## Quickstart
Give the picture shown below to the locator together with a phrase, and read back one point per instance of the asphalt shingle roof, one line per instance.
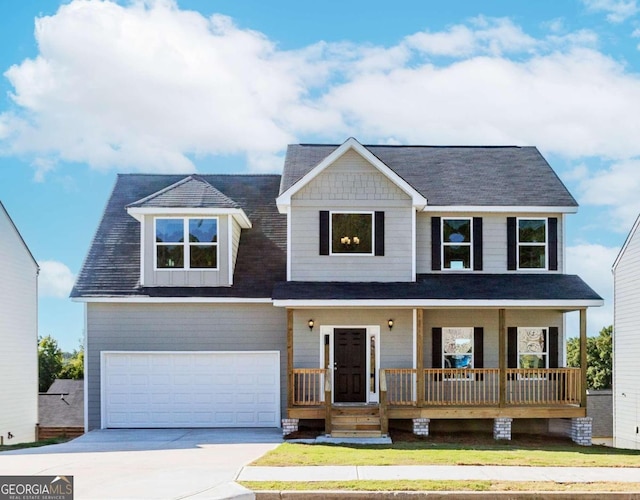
(443, 286)
(62, 405)
(455, 175)
(112, 266)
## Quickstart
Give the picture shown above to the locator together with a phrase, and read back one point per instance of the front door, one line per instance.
(350, 345)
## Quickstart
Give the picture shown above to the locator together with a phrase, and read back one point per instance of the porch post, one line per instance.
(502, 357)
(289, 360)
(419, 357)
(583, 358)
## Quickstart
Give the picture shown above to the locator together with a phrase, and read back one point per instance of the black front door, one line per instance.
(350, 365)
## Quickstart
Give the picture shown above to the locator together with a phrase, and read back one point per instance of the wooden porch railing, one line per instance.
(400, 386)
(462, 387)
(538, 386)
(308, 386)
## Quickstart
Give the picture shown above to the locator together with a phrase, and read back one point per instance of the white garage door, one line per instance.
(190, 389)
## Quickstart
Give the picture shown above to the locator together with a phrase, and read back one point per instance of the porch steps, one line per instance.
(355, 422)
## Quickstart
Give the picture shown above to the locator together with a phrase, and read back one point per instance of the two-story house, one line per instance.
(366, 284)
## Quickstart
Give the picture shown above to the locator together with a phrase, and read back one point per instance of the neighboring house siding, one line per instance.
(494, 236)
(18, 334)
(176, 277)
(351, 184)
(626, 347)
(180, 327)
(488, 320)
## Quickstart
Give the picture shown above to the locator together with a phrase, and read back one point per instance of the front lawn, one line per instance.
(431, 451)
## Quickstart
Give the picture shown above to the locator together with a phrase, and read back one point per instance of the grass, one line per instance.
(429, 453)
(399, 485)
(34, 444)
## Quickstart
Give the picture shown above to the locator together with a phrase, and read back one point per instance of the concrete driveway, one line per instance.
(149, 463)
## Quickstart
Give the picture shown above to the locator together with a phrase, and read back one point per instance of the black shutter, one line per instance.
(436, 348)
(379, 238)
(552, 226)
(436, 243)
(511, 243)
(512, 347)
(324, 232)
(477, 243)
(554, 352)
(478, 347)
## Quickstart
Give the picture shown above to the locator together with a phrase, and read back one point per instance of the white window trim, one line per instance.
(372, 331)
(473, 354)
(528, 244)
(186, 244)
(373, 233)
(449, 244)
(545, 329)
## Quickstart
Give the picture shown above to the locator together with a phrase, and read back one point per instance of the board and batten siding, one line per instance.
(351, 184)
(626, 347)
(19, 335)
(494, 239)
(180, 277)
(180, 327)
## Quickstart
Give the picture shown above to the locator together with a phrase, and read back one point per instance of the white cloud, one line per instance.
(593, 264)
(617, 10)
(55, 279)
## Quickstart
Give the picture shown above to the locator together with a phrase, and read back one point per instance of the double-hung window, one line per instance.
(457, 236)
(186, 243)
(352, 233)
(457, 347)
(533, 351)
(532, 243)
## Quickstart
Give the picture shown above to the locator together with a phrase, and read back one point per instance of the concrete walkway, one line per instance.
(442, 472)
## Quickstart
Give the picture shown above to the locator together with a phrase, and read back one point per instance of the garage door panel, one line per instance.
(191, 389)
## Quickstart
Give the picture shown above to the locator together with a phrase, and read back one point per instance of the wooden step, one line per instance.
(356, 419)
(356, 434)
(355, 410)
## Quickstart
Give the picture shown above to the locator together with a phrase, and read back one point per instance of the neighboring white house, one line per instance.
(626, 343)
(18, 336)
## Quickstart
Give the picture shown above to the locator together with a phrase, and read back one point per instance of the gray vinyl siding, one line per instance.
(351, 184)
(488, 320)
(396, 345)
(494, 239)
(180, 327)
(19, 333)
(626, 346)
(176, 277)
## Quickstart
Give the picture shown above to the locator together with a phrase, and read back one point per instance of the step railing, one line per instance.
(308, 386)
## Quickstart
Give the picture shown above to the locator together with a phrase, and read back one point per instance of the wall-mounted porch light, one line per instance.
(311, 323)
(390, 323)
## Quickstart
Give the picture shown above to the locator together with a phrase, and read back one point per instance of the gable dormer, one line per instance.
(189, 235)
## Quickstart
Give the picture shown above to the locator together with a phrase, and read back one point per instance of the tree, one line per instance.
(599, 358)
(73, 366)
(49, 362)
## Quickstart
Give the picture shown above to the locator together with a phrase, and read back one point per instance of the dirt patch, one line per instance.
(477, 438)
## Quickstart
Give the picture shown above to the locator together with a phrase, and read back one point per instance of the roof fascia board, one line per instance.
(450, 303)
(500, 209)
(17, 231)
(284, 199)
(237, 213)
(170, 300)
(626, 243)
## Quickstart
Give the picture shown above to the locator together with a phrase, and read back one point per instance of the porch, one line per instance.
(421, 393)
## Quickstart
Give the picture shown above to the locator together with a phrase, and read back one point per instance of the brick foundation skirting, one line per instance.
(289, 425)
(502, 428)
(421, 426)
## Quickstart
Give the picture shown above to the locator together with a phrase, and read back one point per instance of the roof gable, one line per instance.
(626, 243)
(455, 176)
(351, 144)
(19, 236)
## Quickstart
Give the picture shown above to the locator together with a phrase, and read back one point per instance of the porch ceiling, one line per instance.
(560, 291)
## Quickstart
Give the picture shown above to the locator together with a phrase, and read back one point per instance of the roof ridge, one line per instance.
(469, 146)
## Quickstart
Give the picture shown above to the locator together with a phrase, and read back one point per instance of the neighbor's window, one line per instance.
(187, 243)
(456, 243)
(532, 243)
(532, 347)
(457, 347)
(352, 233)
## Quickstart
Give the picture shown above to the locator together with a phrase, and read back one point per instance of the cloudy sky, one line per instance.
(92, 88)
